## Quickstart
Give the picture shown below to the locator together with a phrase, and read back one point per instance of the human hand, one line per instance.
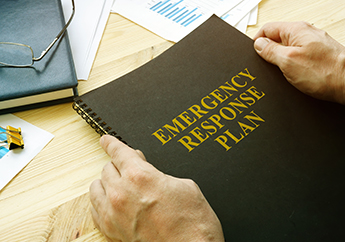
(309, 58)
(133, 201)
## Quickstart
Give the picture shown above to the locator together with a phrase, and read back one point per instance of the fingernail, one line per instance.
(260, 43)
(101, 141)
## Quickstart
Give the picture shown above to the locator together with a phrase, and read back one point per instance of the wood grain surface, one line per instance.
(48, 200)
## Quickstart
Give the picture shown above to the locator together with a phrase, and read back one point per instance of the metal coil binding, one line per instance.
(93, 120)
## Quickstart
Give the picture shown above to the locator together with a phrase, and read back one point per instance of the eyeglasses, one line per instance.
(21, 55)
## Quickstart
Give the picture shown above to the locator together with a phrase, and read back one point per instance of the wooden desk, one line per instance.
(48, 200)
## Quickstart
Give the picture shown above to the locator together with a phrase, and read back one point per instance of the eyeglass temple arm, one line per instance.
(57, 37)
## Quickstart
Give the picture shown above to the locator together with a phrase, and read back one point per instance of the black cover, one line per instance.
(284, 181)
(36, 23)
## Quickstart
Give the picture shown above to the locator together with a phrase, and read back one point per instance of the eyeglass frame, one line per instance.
(44, 52)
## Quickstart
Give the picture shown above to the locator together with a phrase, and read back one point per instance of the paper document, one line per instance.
(13, 161)
(253, 15)
(171, 19)
(85, 31)
(235, 15)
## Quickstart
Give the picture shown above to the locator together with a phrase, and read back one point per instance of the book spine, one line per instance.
(93, 119)
(68, 43)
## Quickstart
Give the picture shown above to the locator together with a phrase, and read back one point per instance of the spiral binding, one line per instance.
(93, 120)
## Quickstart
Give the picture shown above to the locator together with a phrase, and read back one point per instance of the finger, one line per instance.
(270, 30)
(273, 52)
(110, 176)
(97, 194)
(96, 221)
(287, 33)
(95, 217)
(123, 156)
(277, 31)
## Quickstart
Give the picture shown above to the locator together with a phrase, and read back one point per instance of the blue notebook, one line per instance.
(49, 81)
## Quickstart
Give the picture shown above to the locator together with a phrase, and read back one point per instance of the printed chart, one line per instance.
(172, 19)
(3, 150)
(181, 12)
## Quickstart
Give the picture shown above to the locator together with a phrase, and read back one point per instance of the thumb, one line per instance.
(270, 50)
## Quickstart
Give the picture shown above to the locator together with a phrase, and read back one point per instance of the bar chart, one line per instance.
(182, 12)
(3, 150)
(172, 19)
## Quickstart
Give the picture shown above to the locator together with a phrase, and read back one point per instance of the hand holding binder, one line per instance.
(161, 207)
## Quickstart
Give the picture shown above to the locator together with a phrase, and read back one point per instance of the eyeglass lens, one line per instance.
(15, 54)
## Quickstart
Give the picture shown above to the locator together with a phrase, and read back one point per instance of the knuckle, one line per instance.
(139, 176)
(106, 166)
(267, 25)
(117, 200)
(323, 33)
(192, 184)
(141, 154)
(308, 26)
(305, 23)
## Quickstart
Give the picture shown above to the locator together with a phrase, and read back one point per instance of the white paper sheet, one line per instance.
(235, 15)
(171, 19)
(85, 31)
(35, 139)
(243, 23)
(253, 19)
(249, 19)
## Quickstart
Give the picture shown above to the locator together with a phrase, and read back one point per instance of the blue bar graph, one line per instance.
(177, 11)
(158, 5)
(3, 150)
